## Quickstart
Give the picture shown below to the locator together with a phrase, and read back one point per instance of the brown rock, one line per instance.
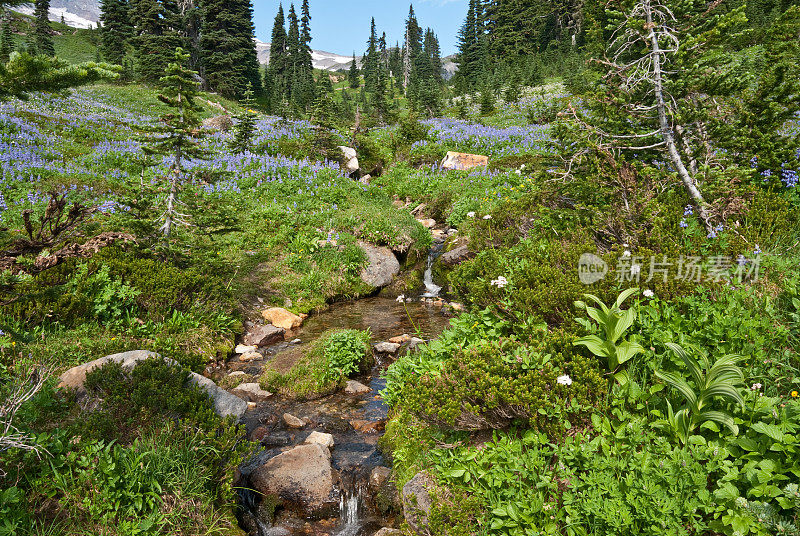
(462, 161)
(368, 427)
(280, 317)
(400, 339)
(252, 392)
(292, 421)
(302, 479)
(258, 435)
(263, 336)
(220, 122)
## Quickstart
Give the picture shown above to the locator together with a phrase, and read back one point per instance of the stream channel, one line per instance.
(355, 421)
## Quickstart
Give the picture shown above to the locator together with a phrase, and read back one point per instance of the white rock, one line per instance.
(387, 348)
(245, 349)
(237, 373)
(252, 392)
(319, 438)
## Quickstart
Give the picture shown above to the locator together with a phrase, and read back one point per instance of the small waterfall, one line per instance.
(350, 515)
(432, 290)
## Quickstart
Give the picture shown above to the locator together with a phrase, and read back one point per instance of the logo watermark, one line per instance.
(636, 269)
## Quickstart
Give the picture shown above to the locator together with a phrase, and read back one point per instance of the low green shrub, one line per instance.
(542, 383)
(151, 392)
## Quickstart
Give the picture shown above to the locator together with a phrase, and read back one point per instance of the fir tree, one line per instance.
(305, 68)
(42, 31)
(229, 59)
(276, 79)
(245, 124)
(354, 75)
(116, 31)
(25, 73)
(158, 30)
(371, 60)
(6, 36)
(179, 132)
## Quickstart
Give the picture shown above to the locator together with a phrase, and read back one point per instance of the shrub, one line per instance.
(490, 385)
(151, 392)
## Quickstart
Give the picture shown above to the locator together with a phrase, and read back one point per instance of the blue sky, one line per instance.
(342, 26)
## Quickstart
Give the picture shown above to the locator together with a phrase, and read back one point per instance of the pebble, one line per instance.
(292, 421)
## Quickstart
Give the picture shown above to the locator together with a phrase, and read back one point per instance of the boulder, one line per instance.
(319, 438)
(302, 479)
(221, 122)
(356, 388)
(417, 502)
(292, 421)
(456, 256)
(382, 268)
(252, 392)
(250, 356)
(462, 161)
(280, 317)
(350, 158)
(75, 377)
(244, 349)
(225, 404)
(427, 223)
(263, 335)
(390, 348)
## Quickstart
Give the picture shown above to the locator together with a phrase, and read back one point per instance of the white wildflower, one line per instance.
(756, 387)
(470, 214)
(648, 293)
(636, 269)
(564, 380)
(401, 298)
(500, 282)
(626, 253)
(487, 217)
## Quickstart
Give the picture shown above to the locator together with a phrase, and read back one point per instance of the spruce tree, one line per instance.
(227, 48)
(354, 75)
(245, 124)
(178, 135)
(42, 31)
(116, 31)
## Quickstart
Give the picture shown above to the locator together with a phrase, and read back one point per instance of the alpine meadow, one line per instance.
(537, 277)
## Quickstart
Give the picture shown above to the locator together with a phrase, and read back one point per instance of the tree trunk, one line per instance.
(666, 129)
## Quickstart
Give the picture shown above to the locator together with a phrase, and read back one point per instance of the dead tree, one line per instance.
(638, 66)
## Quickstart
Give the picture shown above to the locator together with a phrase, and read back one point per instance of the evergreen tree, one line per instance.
(25, 73)
(227, 50)
(276, 80)
(354, 75)
(177, 136)
(245, 124)
(158, 30)
(433, 54)
(6, 36)
(396, 64)
(412, 46)
(42, 31)
(371, 60)
(305, 77)
(116, 31)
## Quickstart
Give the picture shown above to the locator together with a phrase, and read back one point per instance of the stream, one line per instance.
(355, 421)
